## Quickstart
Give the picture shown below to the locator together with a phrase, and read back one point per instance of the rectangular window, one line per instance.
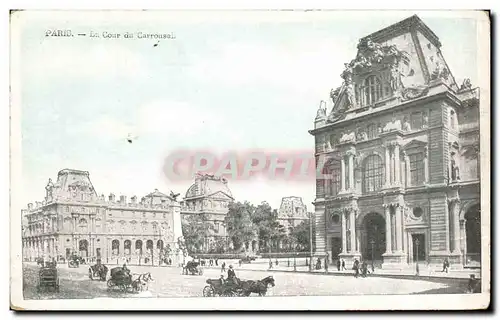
(417, 174)
(416, 120)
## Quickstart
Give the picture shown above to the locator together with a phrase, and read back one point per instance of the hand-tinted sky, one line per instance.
(229, 81)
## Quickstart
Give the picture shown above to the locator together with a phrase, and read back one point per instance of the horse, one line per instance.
(141, 283)
(260, 286)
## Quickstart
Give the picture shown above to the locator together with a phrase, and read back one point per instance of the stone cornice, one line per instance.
(448, 96)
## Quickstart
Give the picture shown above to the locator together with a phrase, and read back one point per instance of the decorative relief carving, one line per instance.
(414, 92)
(348, 137)
(393, 125)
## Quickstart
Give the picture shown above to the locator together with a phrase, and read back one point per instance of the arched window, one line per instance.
(333, 170)
(371, 91)
(373, 173)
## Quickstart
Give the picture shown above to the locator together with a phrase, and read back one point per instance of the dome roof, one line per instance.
(206, 185)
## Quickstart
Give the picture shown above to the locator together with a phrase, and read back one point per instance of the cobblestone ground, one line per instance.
(169, 282)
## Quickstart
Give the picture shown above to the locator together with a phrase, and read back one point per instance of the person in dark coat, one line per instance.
(231, 275)
(223, 269)
(355, 267)
(343, 265)
(338, 264)
(446, 265)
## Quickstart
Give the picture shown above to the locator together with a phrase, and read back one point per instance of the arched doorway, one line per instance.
(83, 248)
(373, 244)
(473, 235)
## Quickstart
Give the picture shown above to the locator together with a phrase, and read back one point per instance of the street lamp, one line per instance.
(416, 244)
(373, 245)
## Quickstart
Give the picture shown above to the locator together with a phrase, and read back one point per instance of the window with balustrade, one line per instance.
(373, 173)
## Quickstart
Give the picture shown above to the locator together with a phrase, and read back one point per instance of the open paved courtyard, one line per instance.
(169, 282)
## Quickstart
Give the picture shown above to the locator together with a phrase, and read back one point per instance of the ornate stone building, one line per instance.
(209, 196)
(74, 219)
(400, 156)
(292, 212)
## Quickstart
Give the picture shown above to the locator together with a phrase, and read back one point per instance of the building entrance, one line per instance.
(374, 236)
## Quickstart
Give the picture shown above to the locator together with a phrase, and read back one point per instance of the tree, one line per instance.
(196, 228)
(301, 233)
(239, 225)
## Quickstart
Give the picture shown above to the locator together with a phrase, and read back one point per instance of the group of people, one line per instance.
(231, 275)
(360, 268)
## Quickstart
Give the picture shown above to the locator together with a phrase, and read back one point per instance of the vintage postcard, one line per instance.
(250, 160)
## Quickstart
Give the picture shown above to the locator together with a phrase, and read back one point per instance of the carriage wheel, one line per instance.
(124, 287)
(208, 291)
(110, 283)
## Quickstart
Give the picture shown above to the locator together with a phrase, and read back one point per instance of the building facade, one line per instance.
(73, 219)
(209, 196)
(292, 212)
(399, 153)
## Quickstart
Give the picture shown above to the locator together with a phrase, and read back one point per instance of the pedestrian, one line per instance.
(270, 264)
(276, 261)
(338, 264)
(223, 269)
(217, 262)
(355, 267)
(446, 265)
(239, 262)
(326, 264)
(343, 265)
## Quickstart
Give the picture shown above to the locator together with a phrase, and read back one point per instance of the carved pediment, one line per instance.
(415, 144)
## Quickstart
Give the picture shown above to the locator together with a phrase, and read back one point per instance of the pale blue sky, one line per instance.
(228, 81)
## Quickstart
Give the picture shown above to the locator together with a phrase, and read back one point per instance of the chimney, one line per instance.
(111, 197)
(133, 200)
(123, 199)
(30, 206)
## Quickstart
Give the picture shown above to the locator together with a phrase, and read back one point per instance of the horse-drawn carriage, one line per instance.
(237, 288)
(122, 278)
(193, 268)
(98, 271)
(48, 278)
(247, 259)
(75, 261)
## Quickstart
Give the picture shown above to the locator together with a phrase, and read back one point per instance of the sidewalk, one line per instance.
(406, 273)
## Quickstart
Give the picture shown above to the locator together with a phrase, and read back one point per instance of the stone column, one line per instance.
(388, 238)
(342, 174)
(344, 232)
(352, 224)
(399, 229)
(387, 167)
(456, 226)
(351, 171)
(407, 169)
(426, 165)
(397, 166)
(447, 226)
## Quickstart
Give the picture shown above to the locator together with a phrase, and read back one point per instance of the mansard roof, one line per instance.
(404, 26)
